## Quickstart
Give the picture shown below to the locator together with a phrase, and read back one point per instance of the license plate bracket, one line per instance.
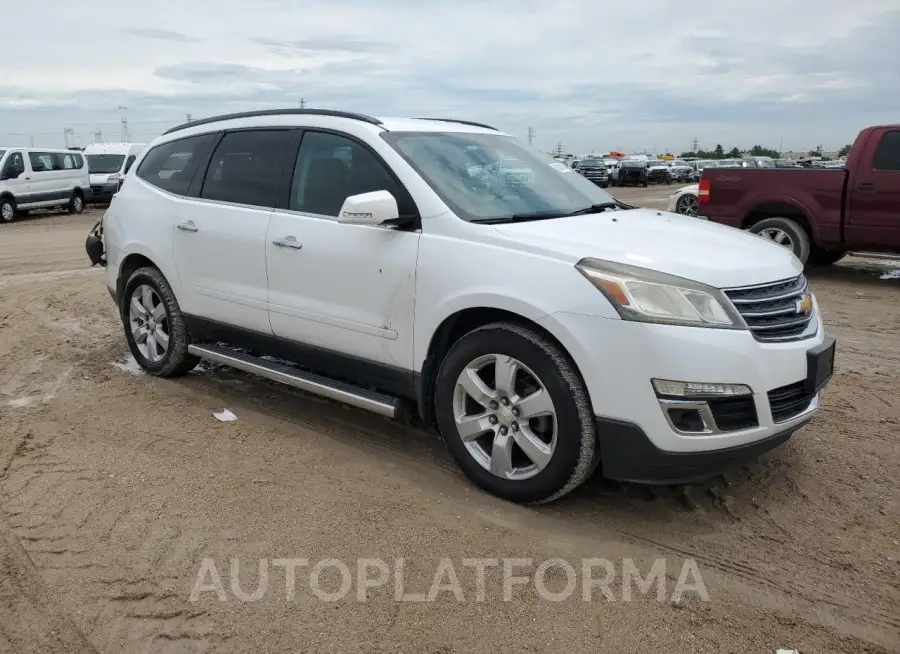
(820, 365)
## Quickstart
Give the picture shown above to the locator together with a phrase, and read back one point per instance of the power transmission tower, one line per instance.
(69, 135)
(187, 118)
(98, 136)
(124, 109)
(302, 103)
(530, 135)
(560, 149)
(695, 145)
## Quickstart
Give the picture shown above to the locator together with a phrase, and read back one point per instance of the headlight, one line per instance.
(648, 296)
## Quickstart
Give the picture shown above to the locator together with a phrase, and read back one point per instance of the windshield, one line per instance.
(595, 163)
(104, 164)
(657, 163)
(444, 161)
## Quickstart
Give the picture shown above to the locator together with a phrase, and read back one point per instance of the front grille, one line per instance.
(789, 401)
(773, 311)
(732, 413)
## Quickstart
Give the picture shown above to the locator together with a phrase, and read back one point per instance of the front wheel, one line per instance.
(7, 210)
(154, 325)
(515, 414)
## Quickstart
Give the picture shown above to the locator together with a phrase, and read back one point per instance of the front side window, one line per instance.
(330, 168)
(171, 166)
(15, 163)
(478, 192)
(887, 154)
(246, 168)
(105, 164)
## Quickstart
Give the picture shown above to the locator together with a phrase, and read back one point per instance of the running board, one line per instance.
(384, 405)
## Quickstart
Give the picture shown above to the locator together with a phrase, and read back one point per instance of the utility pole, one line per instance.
(69, 135)
(124, 110)
(98, 136)
(530, 135)
(187, 118)
(302, 103)
(32, 140)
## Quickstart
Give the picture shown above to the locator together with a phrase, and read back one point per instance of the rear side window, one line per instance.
(246, 168)
(42, 162)
(171, 166)
(887, 154)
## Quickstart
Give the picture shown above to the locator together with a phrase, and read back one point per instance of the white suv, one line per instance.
(543, 327)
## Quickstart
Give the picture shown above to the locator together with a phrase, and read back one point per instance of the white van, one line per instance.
(108, 164)
(39, 178)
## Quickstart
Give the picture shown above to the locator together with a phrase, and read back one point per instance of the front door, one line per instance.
(344, 288)
(18, 176)
(874, 194)
(220, 236)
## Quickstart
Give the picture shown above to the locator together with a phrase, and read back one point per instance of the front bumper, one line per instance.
(618, 359)
(103, 192)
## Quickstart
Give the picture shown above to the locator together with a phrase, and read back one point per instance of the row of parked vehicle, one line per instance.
(41, 178)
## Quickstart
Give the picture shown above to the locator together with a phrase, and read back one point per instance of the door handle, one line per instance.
(866, 186)
(189, 226)
(288, 242)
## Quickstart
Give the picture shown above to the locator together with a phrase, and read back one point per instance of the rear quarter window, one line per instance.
(171, 166)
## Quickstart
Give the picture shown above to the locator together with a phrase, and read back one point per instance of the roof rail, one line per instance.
(276, 112)
(461, 122)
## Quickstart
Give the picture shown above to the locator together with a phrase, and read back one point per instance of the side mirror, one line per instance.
(375, 208)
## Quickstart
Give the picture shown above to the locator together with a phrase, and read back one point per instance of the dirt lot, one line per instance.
(115, 486)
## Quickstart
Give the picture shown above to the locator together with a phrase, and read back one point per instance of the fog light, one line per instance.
(698, 389)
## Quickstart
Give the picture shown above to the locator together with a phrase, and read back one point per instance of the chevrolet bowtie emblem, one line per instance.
(804, 305)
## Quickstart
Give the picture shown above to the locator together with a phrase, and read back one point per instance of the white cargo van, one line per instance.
(108, 164)
(40, 178)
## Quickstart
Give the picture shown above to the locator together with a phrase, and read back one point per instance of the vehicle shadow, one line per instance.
(868, 272)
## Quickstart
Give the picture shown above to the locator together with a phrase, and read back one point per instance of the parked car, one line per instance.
(681, 171)
(546, 331)
(108, 163)
(700, 165)
(632, 172)
(595, 171)
(658, 172)
(37, 178)
(685, 201)
(818, 214)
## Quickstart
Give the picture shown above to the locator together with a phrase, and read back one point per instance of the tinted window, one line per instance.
(171, 166)
(42, 162)
(129, 163)
(330, 168)
(246, 168)
(15, 162)
(105, 164)
(887, 155)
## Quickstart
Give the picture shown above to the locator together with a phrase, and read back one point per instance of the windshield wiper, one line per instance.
(598, 208)
(522, 217)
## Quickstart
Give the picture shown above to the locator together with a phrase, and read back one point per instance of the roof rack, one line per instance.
(276, 112)
(461, 122)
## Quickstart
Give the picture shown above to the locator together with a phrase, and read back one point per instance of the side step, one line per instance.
(384, 405)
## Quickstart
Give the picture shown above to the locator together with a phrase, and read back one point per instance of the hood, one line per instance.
(103, 178)
(709, 253)
(655, 168)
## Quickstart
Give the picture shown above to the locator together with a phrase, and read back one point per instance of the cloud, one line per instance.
(163, 35)
(591, 75)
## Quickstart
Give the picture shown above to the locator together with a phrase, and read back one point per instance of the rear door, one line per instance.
(220, 236)
(873, 218)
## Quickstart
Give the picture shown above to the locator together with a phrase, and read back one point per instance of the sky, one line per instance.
(648, 75)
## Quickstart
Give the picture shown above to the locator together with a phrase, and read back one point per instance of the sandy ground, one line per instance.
(116, 486)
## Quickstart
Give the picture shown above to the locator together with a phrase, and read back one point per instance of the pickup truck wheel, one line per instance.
(154, 325)
(820, 257)
(786, 233)
(514, 413)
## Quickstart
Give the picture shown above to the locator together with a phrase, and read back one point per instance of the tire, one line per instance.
(76, 203)
(820, 257)
(7, 210)
(644, 184)
(687, 205)
(574, 456)
(174, 360)
(799, 242)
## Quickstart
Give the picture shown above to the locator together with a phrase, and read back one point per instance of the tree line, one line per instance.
(756, 151)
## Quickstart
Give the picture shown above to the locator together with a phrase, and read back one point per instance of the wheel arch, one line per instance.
(780, 208)
(130, 263)
(454, 327)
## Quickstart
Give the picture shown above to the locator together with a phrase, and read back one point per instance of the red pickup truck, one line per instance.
(819, 213)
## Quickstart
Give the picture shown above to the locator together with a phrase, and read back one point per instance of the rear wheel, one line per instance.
(687, 205)
(7, 210)
(76, 203)
(787, 233)
(515, 415)
(154, 325)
